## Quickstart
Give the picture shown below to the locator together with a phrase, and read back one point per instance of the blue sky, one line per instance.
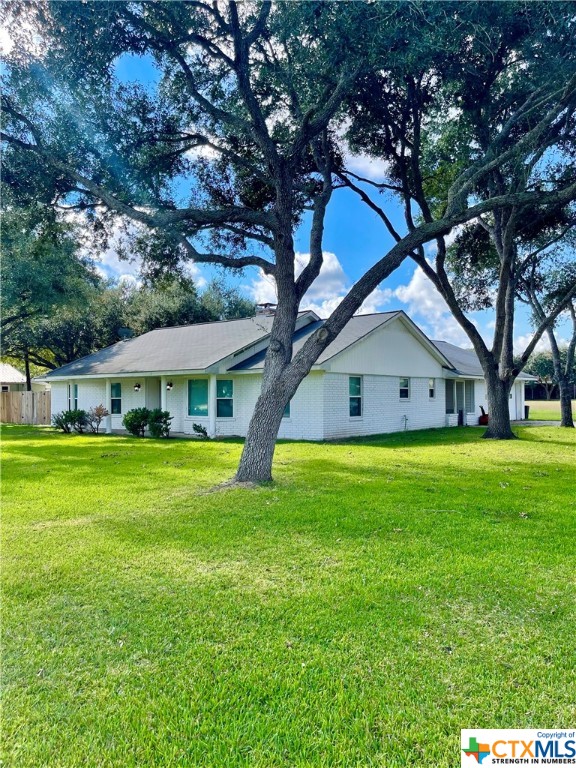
(354, 239)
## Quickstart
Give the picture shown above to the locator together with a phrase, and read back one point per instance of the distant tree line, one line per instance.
(547, 387)
(57, 307)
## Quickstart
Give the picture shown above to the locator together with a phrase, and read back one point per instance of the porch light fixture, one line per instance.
(169, 386)
(136, 387)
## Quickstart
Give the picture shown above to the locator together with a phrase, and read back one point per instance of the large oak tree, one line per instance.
(234, 139)
(496, 112)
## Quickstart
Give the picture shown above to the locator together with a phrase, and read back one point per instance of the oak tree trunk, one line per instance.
(566, 417)
(561, 372)
(498, 391)
(278, 383)
(27, 370)
(258, 453)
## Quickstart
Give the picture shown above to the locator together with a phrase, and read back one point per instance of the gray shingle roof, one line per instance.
(197, 347)
(465, 361)
(183, 348)
(358, 327)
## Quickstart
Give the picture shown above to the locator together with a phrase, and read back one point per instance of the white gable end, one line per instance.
(391, 350)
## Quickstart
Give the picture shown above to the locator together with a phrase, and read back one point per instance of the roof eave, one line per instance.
(130, 374)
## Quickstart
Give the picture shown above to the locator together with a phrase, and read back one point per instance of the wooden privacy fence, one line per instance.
(25, 407)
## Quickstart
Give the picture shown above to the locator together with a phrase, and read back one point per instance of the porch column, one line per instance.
(108, 404)
(520, 399)
(212, 406)
(163, 393)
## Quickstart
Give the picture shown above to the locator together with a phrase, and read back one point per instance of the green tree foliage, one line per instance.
(543, 267)
(224, 302)
(72, 331)
(176, 303)
(541, 365)
(218, 158)
(490, 115)
(42, 265)
(542, 288)
(43, 271)
(222, 153)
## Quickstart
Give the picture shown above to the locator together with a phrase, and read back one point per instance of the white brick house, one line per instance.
(381, 374)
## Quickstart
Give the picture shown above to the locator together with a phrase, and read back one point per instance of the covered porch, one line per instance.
(461, 402)
(196, 396)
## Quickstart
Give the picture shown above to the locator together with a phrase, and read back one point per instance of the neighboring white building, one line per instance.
(11, 380)
(381, 374)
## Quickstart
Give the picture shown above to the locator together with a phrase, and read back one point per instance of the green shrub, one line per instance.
(67, 421)
(136, 421)
(159, 423)
(200, 430)
(79, 419)
(62, 421)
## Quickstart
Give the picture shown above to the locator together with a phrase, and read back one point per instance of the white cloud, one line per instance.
(422, 297)
(364, 165)
(372, 168)
(129, 279)
(375, 302)
(418, 296)
(6, 42)
(543, 345)
(331, 281)
(262, 290)
(203, 151)
(115, 267)
(108, 262)
(327, 291)
(427, 307)
(195, 273)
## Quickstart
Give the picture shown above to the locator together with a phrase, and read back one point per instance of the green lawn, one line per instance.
(546, 410)
(379, 596)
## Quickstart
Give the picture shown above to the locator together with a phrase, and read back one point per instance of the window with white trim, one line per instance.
(198, 397)
(355, 395)
(116, 398)
(72, 397)
(431, 388)
(404, 389)
(450, 396)
(469, 396)
(225, 398)
(286, 414)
